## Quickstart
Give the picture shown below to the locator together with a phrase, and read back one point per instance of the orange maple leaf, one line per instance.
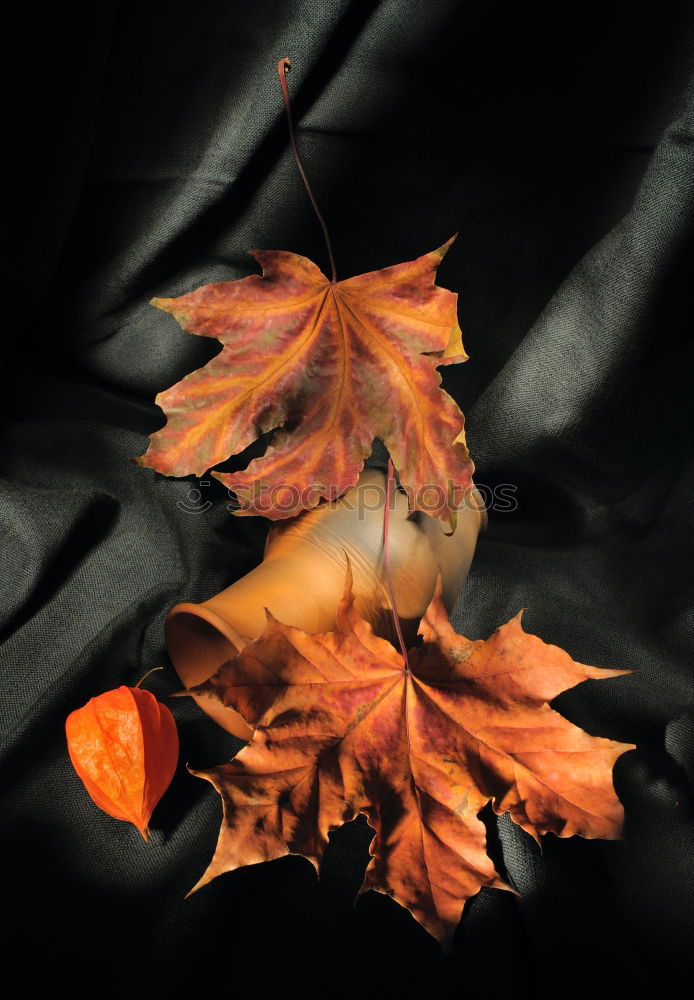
(343, 725)
(328, 366)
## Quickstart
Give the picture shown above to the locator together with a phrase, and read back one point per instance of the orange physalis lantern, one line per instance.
(124, 746)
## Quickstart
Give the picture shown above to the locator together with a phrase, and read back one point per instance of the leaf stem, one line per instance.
(144, 678)
(389, 577)
(283, 67)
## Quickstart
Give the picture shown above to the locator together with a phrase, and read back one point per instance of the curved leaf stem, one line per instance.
(389, 578)
(283, 67)
(144, 678)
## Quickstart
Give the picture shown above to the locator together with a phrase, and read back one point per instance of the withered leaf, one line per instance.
(343, 726)
(328, 367)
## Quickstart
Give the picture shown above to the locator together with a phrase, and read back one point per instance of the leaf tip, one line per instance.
(349, 580)
(164, 304)
(499, 883)
(258, 256)
(201, 773)
(198, 885)
(270, 618)
(347, 599)
(443, 249)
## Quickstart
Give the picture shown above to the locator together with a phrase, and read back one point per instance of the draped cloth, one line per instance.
(148, 154)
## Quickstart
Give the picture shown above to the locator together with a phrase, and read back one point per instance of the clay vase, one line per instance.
(302, 577)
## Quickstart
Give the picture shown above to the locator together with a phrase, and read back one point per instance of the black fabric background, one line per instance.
(148, 153)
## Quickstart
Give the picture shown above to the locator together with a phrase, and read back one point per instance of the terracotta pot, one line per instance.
(302, 575)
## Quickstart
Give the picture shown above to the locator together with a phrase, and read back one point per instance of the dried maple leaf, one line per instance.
(333, 365)
(344, 726)
(124, 746)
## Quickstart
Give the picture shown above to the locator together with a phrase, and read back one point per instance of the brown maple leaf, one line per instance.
(328, 366)
(343, 725)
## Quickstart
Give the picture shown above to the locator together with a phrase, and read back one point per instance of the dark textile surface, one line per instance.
(148, 155)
